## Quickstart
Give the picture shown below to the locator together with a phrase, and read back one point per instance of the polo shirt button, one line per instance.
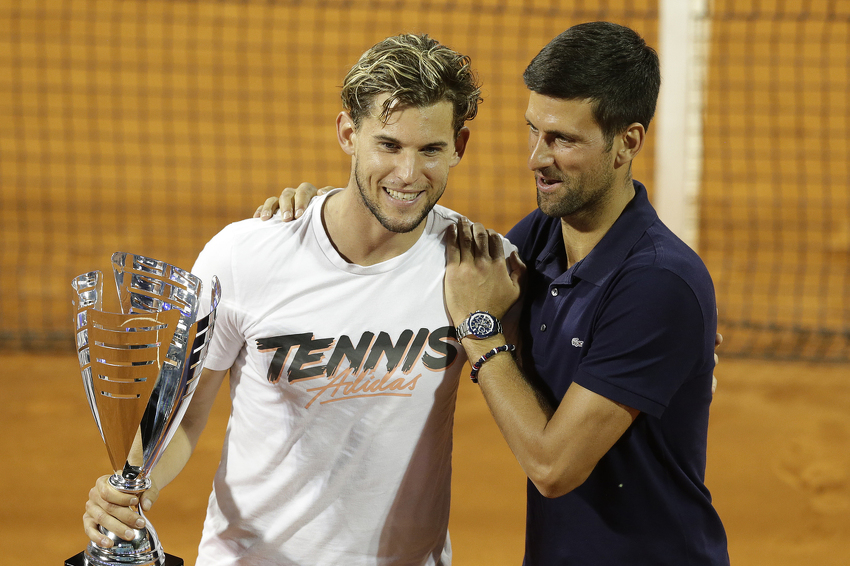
(542, 328)
(555, 292)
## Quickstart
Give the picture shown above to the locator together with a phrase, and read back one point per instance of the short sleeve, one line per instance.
(648, 338)
(215, 260)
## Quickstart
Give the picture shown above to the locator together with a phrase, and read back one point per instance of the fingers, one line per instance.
(268, 209)
(93, 532)
(303, 195)
(452, 247)
(113, 510)
(293, 202)
(467, 241)
(150, 496)
(287, 204)
(482, 241)
(515, 267)
(496, 250)
(718, 340)
(474, 241)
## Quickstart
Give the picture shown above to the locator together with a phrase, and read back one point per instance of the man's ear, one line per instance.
(346, 133)
(460, 145)
(629, 143)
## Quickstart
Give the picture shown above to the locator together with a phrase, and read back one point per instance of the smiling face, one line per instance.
(401, 168)
(573, 163)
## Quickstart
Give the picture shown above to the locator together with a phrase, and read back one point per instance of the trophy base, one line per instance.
(80, 560)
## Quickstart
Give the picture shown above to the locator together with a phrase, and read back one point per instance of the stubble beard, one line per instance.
(577, 195)
(401, 226)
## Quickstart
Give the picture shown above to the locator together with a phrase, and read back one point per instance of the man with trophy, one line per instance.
(343, 360)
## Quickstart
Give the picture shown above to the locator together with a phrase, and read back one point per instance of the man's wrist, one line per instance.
(476, 348)
(476, 366)
(479, 325)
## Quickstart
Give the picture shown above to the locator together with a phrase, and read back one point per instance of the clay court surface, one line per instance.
(778, 468)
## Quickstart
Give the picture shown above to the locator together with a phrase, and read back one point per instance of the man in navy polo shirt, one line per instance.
(608, 414)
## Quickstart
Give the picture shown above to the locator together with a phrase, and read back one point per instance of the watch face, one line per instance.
(481, 324)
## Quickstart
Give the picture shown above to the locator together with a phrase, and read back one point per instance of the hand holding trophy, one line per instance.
(140, 368)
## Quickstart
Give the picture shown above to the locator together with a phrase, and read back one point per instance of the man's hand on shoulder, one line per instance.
(478, 276)
(292, 202)
(718, 340)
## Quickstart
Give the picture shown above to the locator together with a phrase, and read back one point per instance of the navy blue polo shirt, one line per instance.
(634, 321)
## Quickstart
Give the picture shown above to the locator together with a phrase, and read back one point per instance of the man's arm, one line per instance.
(114, 510)
(559, 448)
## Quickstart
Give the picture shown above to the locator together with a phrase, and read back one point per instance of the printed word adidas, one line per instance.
(301, 357)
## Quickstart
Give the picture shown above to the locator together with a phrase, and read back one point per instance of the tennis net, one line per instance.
(146, 126)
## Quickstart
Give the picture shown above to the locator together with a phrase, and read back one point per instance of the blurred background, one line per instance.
(146, 126)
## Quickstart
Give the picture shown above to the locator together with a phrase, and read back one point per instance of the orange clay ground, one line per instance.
(778, 468)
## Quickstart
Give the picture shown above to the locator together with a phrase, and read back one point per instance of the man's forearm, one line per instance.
(557, 448)
(186, 437)
(173, 460)
(519, 411)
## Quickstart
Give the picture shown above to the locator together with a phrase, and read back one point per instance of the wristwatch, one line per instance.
(479, 325)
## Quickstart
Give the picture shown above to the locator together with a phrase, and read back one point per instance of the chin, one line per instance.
(401, 225)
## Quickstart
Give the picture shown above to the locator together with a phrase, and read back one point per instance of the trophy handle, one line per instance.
(89, 288)
(154, 538)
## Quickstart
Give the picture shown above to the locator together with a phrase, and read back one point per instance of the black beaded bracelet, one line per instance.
(473, 375)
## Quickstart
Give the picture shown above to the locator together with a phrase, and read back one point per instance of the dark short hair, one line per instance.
(606, 63)
(415, 70)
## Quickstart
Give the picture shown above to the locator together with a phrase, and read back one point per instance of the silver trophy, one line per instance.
(140, 368)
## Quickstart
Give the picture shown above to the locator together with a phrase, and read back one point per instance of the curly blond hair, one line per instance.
(415, 70)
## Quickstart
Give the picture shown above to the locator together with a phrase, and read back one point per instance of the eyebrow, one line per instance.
(385, 138)
(558, 133)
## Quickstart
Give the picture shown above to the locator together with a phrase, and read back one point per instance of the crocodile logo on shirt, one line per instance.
(303, 357)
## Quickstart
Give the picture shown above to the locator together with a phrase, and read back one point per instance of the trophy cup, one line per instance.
(140, 368)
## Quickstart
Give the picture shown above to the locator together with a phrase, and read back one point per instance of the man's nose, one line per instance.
(541, 154)
(408, 167)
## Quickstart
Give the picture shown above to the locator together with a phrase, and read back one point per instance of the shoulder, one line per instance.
(247, 241)
(533, 233)
(255, 233)
(442, 218)
(243, 229)
(662, 269)
(670, 253)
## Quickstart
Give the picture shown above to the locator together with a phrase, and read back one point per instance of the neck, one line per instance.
(357, 235)
(583, 230)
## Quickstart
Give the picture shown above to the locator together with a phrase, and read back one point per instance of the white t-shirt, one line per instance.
(343, 387)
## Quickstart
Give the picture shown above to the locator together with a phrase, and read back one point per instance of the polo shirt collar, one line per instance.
(608, 254)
